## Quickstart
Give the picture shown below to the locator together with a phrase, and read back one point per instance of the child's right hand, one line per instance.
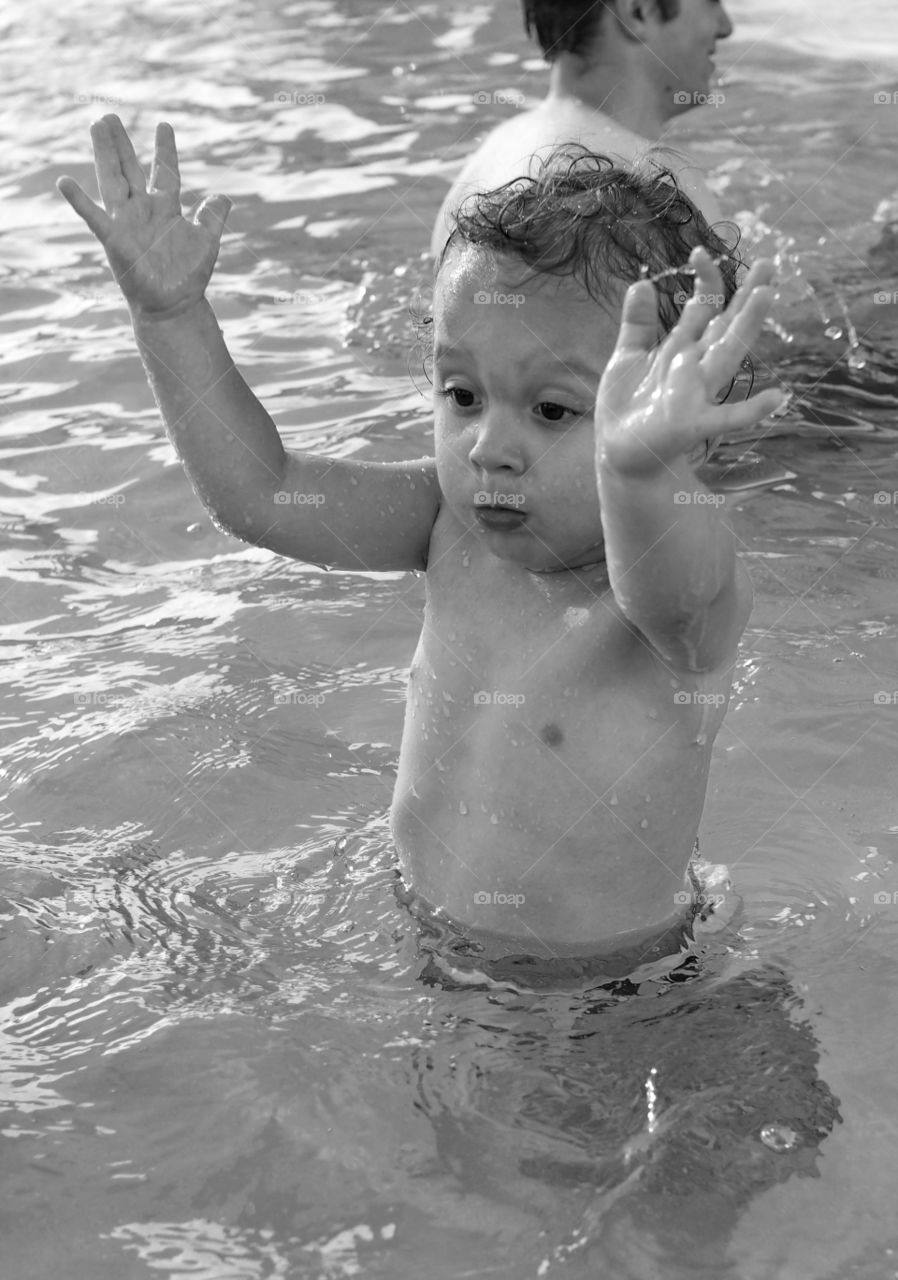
(162, 261)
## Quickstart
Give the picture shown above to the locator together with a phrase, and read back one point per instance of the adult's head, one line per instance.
(617, 54)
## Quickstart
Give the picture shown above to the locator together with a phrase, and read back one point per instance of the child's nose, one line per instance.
(498, 443)
(724, 25)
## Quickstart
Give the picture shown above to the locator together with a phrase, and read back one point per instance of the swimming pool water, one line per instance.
(219, 1058)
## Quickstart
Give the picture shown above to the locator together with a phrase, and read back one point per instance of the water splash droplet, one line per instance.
(463, 808)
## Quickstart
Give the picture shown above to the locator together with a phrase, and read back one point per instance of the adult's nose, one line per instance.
(724, 24)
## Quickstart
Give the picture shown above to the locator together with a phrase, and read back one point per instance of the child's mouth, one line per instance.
(499, 517)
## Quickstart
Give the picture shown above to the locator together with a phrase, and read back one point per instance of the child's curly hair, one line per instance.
(585, 216)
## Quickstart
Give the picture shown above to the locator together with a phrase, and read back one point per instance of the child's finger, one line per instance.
(99, 222)
(639, 323)
(701, 309)
(761, 273)
(166, 172)
(723, 357)
(130, 165)
(748, 413)
(213, 214)
(694, 321)
(114, 187)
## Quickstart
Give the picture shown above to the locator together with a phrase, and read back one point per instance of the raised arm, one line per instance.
(326, 511)
(671, 558)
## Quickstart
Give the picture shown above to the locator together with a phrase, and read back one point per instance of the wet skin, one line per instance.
(576, 783)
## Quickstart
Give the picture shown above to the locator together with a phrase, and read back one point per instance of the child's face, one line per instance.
(516, 372)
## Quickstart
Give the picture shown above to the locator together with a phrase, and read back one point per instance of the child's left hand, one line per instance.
(657, 404)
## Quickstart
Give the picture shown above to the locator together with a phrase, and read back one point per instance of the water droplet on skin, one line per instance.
(447, 697)
(463, 808)
(494, 820)
(648, 799)
(353, 480)
(613, 799)
(779, 1137)
(644, 823)
(466, 560)
(701, 739)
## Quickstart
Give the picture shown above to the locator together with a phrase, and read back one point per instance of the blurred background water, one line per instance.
(218, 1058)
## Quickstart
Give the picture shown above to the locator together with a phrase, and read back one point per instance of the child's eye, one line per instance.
(461, 397)
(553, 412)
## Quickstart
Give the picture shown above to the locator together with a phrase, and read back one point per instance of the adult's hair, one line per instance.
(572, 26)
(584, 216)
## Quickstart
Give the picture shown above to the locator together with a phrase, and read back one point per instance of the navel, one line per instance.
(551, 735)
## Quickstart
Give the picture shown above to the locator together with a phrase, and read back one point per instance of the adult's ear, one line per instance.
(632, 17)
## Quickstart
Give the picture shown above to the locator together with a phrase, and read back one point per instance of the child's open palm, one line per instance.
(658, 403)
(162, 261)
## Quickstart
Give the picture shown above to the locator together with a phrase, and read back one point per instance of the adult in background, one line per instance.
(620, 70)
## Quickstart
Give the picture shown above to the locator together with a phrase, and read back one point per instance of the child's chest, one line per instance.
(529, 659)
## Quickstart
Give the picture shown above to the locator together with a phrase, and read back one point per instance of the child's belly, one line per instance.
(560, 817)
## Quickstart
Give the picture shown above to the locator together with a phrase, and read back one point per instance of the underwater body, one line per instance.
(225, 1051)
